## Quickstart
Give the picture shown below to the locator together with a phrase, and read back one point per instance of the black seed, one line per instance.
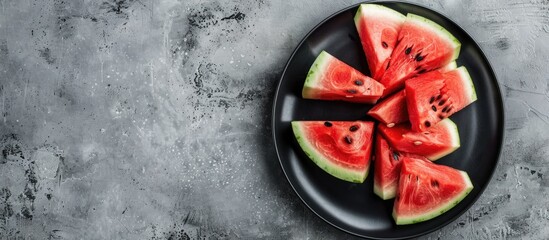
(434, 183)
(348, 140)
(434, 108)
(419, 57)
(327, 124)
(351, 91)
(359, 82)
(418, 67)
(441, 102)
(408, 50)
(384, 44)
(427, 124)
(450, 109)
(417, 178)
(388, 63)
(445, 109)
(438, 97)
(440, 116)
(396, 155)
(353, 128)
(431, 100)
(422, 71)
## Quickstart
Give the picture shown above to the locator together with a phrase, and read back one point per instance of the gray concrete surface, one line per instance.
(144, 119)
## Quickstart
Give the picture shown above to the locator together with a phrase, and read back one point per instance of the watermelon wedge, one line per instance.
(340, 148)
(378, 28)
(434, 96)
(426, 190)
(331, 79)
(423, 46)
(393, 110)
(434, 143)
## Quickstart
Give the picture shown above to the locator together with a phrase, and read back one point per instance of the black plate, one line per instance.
(354, 208)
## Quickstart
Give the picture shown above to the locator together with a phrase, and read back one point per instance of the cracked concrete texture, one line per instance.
(150, 119)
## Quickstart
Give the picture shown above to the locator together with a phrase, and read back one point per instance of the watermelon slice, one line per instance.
(331, 79)
(423, 46)
(426, 190)
(378, 28)
(434, 96)
(341, 148)
(393, 110)
(434, 143)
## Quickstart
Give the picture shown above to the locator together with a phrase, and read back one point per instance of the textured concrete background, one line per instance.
(150, 119)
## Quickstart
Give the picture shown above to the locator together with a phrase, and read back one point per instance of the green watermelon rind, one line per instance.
(315, 74)
(379, 9)
(468, 81)
(405, 220)
(449, 67)
(384, 193)
(324, 163)
(439, 30)
(452, 129)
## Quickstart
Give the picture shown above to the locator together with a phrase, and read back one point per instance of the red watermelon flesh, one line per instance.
(433, 143)
(331, 79)
(423, 46)
(387, 168)
(393, 110)
(341, 148)
(378, 28)
(434, 96)
(426, 190)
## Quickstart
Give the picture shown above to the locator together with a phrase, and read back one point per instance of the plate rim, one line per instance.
(500, 102)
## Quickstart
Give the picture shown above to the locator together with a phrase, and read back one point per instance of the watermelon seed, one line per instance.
(417, 143)
(351, 91)
(353, 128)
(422, 71)
(434, 108)
(390, 125)
(408, 50)
(445, 109)
(396, 156)
(387, 65)
(440, 116)
(359, 82)
(427, 124)
(348, 140)
(434, 183)
(438, 97)
(327, 124)
(441, 102)
(417, 178)
(384, 44)
(419, 57)
(431, 100)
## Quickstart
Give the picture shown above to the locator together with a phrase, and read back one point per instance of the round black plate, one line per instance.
(354, 208)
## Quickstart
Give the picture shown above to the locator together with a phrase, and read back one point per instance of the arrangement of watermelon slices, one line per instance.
(393, 110)
(411, 58)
